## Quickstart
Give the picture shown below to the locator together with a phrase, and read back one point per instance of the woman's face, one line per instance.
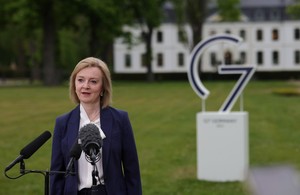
(88, 85)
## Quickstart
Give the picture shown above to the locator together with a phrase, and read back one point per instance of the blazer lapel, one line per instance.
(106, 126)
(73, 126)
(73, 129)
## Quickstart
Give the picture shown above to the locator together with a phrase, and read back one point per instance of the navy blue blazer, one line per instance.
(118, 149)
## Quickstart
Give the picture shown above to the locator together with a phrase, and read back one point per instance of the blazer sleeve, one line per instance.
(57, 181)
(130, 159)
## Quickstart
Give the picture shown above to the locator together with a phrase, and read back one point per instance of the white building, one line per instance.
(170, 54)
(271, 42)
(271, 46)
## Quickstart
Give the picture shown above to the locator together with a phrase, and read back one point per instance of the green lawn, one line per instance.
(163, 117)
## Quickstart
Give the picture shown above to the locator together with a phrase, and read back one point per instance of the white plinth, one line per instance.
(222, 146)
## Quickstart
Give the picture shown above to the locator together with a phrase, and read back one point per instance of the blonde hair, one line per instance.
(106, 99)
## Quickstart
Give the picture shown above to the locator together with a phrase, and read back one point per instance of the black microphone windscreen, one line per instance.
(32, 147)
(76, 150)
(89, 138)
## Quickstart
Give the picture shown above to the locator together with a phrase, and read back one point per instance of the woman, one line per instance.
(118, 168)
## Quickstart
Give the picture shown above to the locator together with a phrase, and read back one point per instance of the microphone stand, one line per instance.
(45, 173)
(94, 186)
(94, 174)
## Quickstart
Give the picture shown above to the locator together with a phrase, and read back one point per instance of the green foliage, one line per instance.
(294, 10)
(147, 19)
(163, 116)
(195, 11)
(72, 48)
(229, 10)
(68, 32)
(102, 22)
(151, 16)
(19, 37)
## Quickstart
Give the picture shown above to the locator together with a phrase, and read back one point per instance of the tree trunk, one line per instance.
(49, 35)
(107, 53)
(93, 46)
(196, 12)
(148, 37)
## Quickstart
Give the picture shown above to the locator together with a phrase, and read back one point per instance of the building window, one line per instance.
(160, 59)
(228, 57)
(127, 60)
(259, 35)
(275, 14)
(242, 57)
(213, 59)
(297, 57)
(259, 58)
(227, 32)
(180, 59)
(143, 60)
(259, 15)
(159, 37)
(212, 32)
(243, 34)
(275, 57)
(275, 34)
(297, 34)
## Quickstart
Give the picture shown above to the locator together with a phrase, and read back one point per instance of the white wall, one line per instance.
(286, 45)
(169, 47)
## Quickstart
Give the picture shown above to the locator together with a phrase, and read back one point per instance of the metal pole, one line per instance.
(47, 183)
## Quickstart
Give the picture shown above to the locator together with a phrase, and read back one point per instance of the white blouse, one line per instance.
(85, 168)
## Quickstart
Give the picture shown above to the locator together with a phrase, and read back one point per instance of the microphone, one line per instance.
(75, 155)
(91, 142)
(31, 148)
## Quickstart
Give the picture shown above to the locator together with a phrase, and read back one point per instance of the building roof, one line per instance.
(169, 12)
(265, 3)
(255, 10)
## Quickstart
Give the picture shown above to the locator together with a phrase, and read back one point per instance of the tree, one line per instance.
(19, 34)
(104, 21)
(29, 17)
(149, 15)
(229, 10)
(41, 23)
(46, 11)
(294, 10)
(196, 13)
